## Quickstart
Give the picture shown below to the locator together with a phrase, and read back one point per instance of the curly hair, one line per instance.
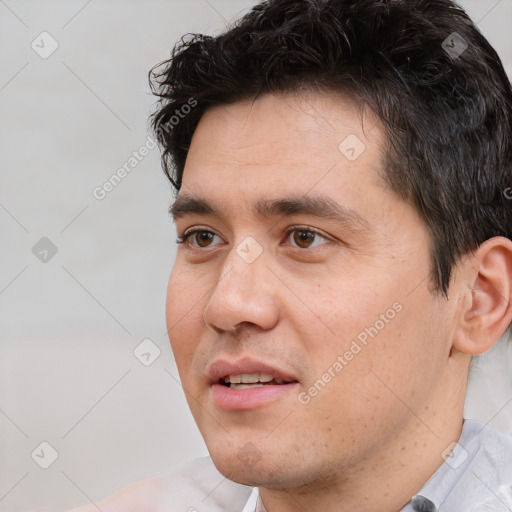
(422, 66)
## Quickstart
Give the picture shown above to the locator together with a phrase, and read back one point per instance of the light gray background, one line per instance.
(68, 327)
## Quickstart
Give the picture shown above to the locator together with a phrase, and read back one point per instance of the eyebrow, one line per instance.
(190, 205)
(316, 206)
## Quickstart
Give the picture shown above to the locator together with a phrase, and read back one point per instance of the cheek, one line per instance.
(186, 290)
(340, 312)
(370, 333)
(183, 317)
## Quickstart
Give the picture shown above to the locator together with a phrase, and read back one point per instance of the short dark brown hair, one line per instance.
(422, 66)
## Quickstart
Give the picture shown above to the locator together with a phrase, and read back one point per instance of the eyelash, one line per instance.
(182, 239)
(185, 237)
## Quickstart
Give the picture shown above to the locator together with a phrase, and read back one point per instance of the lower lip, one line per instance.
(229, 399)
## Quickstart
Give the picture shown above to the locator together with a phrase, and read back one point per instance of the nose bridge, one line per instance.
(237, 276)
(241, 293)
(244, 266)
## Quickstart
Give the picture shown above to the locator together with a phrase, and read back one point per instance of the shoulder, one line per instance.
(493, 450)
(478, 477)
(197, 486)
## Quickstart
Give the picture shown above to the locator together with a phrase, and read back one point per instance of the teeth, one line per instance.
(246, 386)
(279, 381)
(249, 378)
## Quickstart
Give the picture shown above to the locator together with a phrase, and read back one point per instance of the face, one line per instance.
(300, 309)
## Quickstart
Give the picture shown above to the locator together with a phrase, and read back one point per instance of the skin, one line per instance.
(379, 427)
(376, 430)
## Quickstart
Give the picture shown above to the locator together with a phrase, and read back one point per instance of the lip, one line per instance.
(228, 399)
(222, 368)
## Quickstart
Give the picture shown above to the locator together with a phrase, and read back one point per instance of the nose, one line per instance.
(244, 294)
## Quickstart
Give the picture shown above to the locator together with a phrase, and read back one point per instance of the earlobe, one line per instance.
(488, 313)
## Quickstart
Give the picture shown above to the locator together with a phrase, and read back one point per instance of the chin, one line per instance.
(272, 471)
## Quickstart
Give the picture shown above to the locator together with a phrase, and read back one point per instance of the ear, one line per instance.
(488, 311)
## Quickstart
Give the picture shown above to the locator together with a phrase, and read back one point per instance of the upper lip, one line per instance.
(221, 368)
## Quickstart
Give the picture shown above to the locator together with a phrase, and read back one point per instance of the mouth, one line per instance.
(248, 384)
(251, 380)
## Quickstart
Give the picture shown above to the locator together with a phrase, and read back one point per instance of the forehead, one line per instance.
(288, 144)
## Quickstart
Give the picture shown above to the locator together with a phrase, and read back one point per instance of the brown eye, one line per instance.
(199, 239)
(303, 238)
(203, 238)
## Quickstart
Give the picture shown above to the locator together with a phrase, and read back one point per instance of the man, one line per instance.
(344, 252)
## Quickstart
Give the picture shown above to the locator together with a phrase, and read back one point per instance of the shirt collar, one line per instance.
(253, 502)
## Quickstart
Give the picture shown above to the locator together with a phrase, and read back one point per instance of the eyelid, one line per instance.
(315, 231)
(188, 233)
(184, 238)
(193, 229)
